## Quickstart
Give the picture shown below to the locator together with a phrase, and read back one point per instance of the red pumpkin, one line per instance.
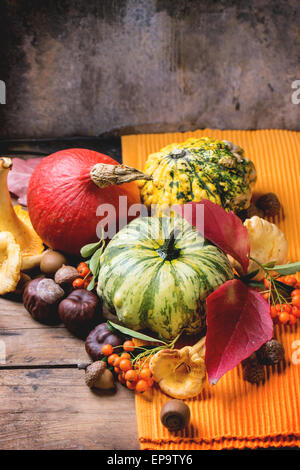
(63, 197)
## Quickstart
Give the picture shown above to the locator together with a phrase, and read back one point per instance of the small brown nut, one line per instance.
(175, 415)
(24, 279)
(65, 275)
(41, 298)
(97, 338)
(98, 376)
(254, 210)
(269, 203)
(253, 371)
(272, 352)
(80, 312)
(51, 261)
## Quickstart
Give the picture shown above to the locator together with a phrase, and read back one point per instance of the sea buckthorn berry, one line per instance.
(107, 349)
(81, 265)
(274, 312)
(290, 280)
(117, 361)
(266, 295)
(284, 317)
(125, 355)
(296, 311)
(78, 283)
(84, 271)
(131, 376)
(125, 365)
(87, 281)
(278, 307)
(117, 370)
(150, 382)
(121, 379)
(292, 319)
(287, 308)
(266, 283)
(145, 373)
(142, 386)
(111, 359)
(130, 385)
(296, 292)
(296, 300)
(128, 346)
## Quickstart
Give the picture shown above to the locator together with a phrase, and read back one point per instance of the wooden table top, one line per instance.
(44, 402)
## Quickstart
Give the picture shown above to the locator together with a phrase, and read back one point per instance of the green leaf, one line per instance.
(256, 284)
(89, 250)
(269, 265)
(286, 269)
(132, 333)
(95, 261)
(91, 284)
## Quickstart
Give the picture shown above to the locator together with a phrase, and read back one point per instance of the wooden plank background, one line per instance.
(44, 402)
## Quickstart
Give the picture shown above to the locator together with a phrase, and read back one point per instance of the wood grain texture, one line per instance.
(54, 409)
(47, 407)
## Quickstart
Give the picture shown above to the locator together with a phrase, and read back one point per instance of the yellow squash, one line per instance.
(199, 169)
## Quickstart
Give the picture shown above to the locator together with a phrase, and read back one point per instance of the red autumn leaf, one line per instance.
(224, 229)
(238, 324)
(18, 177)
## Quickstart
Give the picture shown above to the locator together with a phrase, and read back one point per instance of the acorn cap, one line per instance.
(270, 353)
(94, 372)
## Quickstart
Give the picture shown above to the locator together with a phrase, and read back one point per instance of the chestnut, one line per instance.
(97, 338)
(80, 312)
(41, 297)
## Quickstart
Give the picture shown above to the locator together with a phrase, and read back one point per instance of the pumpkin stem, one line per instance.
(104, 174)
(168, 251)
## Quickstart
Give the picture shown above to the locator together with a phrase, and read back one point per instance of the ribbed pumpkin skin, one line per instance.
(210, 169)
(146, 291)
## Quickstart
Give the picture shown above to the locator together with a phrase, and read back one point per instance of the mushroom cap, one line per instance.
(180, 373)
(10, 262)
(94, 372)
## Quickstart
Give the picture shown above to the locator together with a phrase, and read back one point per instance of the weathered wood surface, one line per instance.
(44, 402)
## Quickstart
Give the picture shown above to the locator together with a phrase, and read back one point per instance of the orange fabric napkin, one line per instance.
(233, 413)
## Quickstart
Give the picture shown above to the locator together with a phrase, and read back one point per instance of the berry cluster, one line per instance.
(286, 313)
(84, 276)
(135, 375)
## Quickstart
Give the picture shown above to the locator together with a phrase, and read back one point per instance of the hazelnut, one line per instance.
(269, 204)
(272, 352)
(80, 312)
(98, 376)
(41, 298)
(97, 338)
(51, 261)
(175, 415)
(65, 275)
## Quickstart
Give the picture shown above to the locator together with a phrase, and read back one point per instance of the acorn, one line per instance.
(175, 415)
(269, 204)
(253, 371)
(254, 210)
(271, 353)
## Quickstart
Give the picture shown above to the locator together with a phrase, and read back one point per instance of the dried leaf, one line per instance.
(238, 324)
(19, 176)
(222, 228)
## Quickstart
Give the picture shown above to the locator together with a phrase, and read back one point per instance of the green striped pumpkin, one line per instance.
(153, 280)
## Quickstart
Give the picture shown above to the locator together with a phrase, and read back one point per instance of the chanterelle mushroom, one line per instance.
(267, 243)
(180, 373)
(10, 263)
(98, 376)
